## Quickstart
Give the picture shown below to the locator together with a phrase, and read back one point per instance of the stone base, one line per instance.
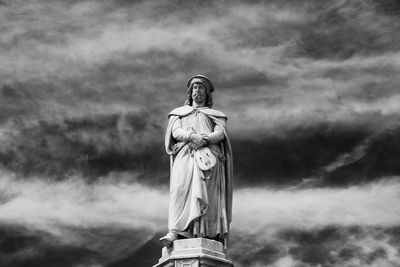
(194, 252)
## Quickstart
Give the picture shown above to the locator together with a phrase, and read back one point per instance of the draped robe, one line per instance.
(200, 201)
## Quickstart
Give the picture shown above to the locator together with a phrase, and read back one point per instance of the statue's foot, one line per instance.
(168, 239)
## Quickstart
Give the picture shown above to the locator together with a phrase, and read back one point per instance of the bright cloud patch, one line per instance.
(276, 221)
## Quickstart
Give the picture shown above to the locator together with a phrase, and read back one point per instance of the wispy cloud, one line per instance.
(317, 207)
(78, 204)
(73, 203)
(261, 216)
(100, 51)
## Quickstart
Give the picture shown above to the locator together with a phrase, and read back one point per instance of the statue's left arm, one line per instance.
(217, 136)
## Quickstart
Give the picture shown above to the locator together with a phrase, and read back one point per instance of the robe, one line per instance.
(200, 201)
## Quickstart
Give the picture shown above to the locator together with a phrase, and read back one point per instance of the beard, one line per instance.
(198, 97)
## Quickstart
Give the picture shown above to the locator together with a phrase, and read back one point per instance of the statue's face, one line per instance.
(199, 93)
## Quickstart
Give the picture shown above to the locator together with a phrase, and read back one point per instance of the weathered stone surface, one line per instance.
(194, 252)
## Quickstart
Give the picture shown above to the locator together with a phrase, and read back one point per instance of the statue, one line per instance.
(201, 168)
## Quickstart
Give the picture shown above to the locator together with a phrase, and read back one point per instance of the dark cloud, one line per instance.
(20, 246)
(349, 28)
(335, 246)
(144, 256)
(92, 145)
(330, 246)
(378, 158)
(97, 145)
(249, 78)
(288, 159)
(388, 7)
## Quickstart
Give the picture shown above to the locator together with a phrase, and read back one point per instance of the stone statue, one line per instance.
(201, 168)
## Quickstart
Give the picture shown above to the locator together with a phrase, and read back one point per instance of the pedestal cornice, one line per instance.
(194, 252)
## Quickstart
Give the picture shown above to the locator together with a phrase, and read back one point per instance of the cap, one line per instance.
(201, 79)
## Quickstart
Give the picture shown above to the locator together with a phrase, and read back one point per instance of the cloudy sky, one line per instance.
(311, 89)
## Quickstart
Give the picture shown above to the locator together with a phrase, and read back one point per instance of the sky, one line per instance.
(311, 91)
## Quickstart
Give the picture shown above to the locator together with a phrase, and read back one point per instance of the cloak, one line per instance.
(173, 147)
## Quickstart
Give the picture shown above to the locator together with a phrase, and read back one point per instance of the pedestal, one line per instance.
(194, 252)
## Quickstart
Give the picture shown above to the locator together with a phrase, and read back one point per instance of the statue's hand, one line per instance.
(193, 146)
(198, 139)
(205, 138)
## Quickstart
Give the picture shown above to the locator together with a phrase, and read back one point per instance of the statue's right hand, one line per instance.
(198, 139)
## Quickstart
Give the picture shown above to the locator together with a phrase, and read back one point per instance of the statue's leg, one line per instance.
(168, 239)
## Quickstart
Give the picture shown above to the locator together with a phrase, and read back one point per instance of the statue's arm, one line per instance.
(217, 135)
(178, 132)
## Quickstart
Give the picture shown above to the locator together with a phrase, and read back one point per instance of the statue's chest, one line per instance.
(199, 122)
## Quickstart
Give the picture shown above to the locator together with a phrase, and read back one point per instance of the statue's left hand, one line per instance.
(194, 146)
(199, 141)
(205, 138)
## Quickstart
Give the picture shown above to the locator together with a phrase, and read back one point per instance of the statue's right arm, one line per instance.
(178, 132)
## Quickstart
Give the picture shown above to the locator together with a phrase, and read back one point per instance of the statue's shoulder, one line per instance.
(186, 110)
(214, 112)
(181, 111)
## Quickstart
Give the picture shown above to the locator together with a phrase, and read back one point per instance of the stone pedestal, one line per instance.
(194, 252)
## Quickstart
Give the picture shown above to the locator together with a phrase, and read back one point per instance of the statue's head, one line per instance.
(198, 82)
